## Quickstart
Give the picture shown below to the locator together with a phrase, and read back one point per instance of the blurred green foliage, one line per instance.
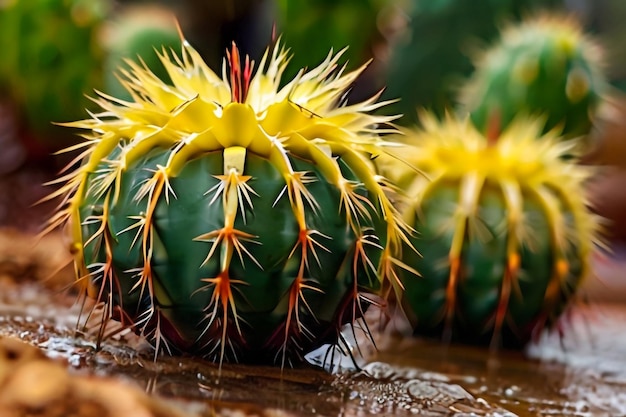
(49, 57)
(136, 34)
(55, 53)
(431, 60)
(310, 28)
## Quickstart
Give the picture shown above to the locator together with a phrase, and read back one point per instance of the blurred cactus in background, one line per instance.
(431, 58)
(233, 217)
(53, 54)
(544, 65)
(503, 229)
(50, 57)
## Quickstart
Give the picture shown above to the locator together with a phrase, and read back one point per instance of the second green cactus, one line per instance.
(504, 232)
(543, 66)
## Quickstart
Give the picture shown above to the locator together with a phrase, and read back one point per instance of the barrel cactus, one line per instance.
(503, 230)
(233, 217)
(545, 65)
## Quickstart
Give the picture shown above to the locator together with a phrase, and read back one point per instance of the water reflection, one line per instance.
(383, 389)
(578, 370)
(581, 373)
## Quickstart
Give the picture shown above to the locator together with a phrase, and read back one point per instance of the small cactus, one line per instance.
(233, 217)
(503, 230)
(545, 66)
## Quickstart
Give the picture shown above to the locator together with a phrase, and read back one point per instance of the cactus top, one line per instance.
(518, 161)
(520, 153)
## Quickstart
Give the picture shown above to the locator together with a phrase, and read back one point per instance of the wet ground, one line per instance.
(581, 372)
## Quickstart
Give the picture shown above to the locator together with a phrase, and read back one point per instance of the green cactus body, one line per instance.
(231, 217)
(543, 66)
(50, 58)
(502, 228)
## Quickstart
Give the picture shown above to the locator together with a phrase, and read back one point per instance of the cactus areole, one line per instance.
(503, 230)
(232, 217)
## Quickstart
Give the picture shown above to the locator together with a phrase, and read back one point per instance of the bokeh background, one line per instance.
(55, 53)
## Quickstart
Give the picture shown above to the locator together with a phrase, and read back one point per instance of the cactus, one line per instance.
(49, 59)
(235, 218)
(545, 65)
(503, 230)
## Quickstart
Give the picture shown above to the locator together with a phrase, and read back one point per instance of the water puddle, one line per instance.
(580, 374)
